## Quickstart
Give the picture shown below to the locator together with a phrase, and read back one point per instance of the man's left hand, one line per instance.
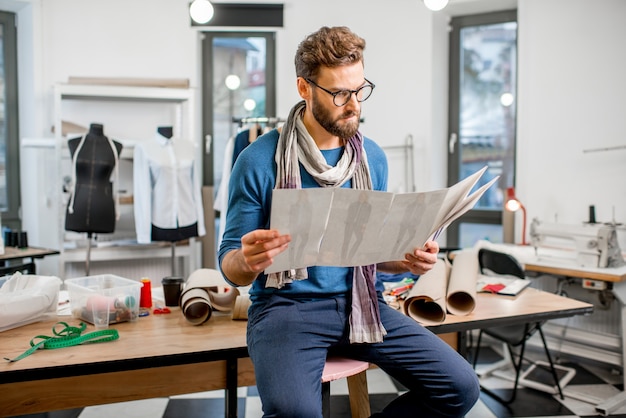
(422, 259)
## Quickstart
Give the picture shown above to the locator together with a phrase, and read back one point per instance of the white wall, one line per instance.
(571, 87)
(571, 98)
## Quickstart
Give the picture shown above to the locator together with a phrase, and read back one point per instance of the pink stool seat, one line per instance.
(354, 371)
(338, 367)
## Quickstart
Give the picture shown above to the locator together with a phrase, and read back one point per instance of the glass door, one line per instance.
(9, 142)
(482, 117)
(238, 83)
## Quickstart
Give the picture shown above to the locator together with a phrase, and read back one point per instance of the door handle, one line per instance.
(452, 143)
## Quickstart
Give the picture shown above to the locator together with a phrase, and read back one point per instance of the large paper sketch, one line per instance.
(355, 220)
(348, 227)
(298, 213)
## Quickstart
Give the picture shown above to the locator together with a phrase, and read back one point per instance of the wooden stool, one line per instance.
(337, 368)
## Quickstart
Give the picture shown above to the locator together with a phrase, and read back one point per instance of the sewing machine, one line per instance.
(594, 244)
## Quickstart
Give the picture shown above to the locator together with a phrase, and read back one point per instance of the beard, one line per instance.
(325, 119)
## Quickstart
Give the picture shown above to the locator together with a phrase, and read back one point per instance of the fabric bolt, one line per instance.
(167, 187)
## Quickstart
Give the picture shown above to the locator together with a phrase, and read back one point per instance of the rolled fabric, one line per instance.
(242, 303)
(196, 305)
(461, 296)
(426, 302)
(205, 291)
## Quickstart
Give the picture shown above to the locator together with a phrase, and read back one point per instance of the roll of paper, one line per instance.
(426, 302)
(204, 291)
(461, 296)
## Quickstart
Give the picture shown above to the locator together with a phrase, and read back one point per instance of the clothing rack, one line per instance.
(407, 150)
(258, 119)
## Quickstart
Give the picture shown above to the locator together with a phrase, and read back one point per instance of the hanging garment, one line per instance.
(221, 198)
(167, 190)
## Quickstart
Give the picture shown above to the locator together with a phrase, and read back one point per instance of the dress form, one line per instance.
(92, 207)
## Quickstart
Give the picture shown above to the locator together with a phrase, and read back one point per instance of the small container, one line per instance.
(145, 297)
(172, 288)
(121, 293)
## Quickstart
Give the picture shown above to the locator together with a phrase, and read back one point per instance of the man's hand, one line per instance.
(257, 252)
(422, 259)
(259, 248)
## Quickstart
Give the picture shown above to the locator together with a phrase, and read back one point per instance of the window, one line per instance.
(238, 82)
(482, 117)
(9, 137)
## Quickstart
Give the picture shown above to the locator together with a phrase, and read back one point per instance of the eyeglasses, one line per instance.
(341, 97)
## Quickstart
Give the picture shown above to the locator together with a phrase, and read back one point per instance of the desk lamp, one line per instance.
(513, 204)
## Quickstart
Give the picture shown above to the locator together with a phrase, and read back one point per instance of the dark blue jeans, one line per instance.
(289, 340)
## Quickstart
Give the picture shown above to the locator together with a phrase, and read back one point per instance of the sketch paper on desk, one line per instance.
(348, 227)
(502, 285)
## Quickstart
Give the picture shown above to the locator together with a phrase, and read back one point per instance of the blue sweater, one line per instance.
(250, 200)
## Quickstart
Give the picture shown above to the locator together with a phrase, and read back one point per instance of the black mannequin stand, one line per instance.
(174, 266)
(88, 256)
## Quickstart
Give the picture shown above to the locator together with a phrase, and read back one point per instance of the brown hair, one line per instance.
(329, 47)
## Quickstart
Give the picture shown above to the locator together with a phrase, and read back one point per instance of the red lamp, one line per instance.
(513, 204)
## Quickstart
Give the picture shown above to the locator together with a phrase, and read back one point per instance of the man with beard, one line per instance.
(299, 317)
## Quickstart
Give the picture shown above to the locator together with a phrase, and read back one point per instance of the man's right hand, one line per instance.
(257, 252)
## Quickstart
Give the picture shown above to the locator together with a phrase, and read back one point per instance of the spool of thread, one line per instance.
(145, 298)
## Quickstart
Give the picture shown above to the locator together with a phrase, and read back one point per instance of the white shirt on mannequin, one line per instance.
(167, 186)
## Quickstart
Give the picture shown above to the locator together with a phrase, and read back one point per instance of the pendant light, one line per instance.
(201, 11)
(435, 5)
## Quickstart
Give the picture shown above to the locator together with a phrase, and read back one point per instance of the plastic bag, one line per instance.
(26, 298)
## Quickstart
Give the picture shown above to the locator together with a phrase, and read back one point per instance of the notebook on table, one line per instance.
(502, 285)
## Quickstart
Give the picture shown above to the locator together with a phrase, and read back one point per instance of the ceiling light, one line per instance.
(201, 11)
(232, 82)
(435, 5)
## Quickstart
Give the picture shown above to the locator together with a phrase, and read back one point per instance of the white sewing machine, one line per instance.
(595, 245)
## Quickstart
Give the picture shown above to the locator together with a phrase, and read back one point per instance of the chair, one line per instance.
(511, 335)
(355, 371)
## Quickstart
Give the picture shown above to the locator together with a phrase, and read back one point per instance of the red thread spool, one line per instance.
(145, 298)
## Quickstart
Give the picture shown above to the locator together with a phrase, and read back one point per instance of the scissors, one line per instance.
(161, 310)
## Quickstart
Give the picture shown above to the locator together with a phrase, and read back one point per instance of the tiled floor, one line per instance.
(591, 381)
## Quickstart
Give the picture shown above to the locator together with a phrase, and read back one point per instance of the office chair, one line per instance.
(511, 335)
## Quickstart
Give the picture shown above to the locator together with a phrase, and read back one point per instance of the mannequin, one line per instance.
(167, 191)
(92, 205)
(165, 131)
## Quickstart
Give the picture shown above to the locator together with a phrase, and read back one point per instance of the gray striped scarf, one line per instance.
(295, 147)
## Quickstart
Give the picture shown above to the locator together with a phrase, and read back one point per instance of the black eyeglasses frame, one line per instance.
(336, 93)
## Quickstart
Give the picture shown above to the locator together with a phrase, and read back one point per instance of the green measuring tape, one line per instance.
(67, 336)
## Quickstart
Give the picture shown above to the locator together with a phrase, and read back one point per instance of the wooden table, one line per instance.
(155, 356)
(163, 355)
(14, 253)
